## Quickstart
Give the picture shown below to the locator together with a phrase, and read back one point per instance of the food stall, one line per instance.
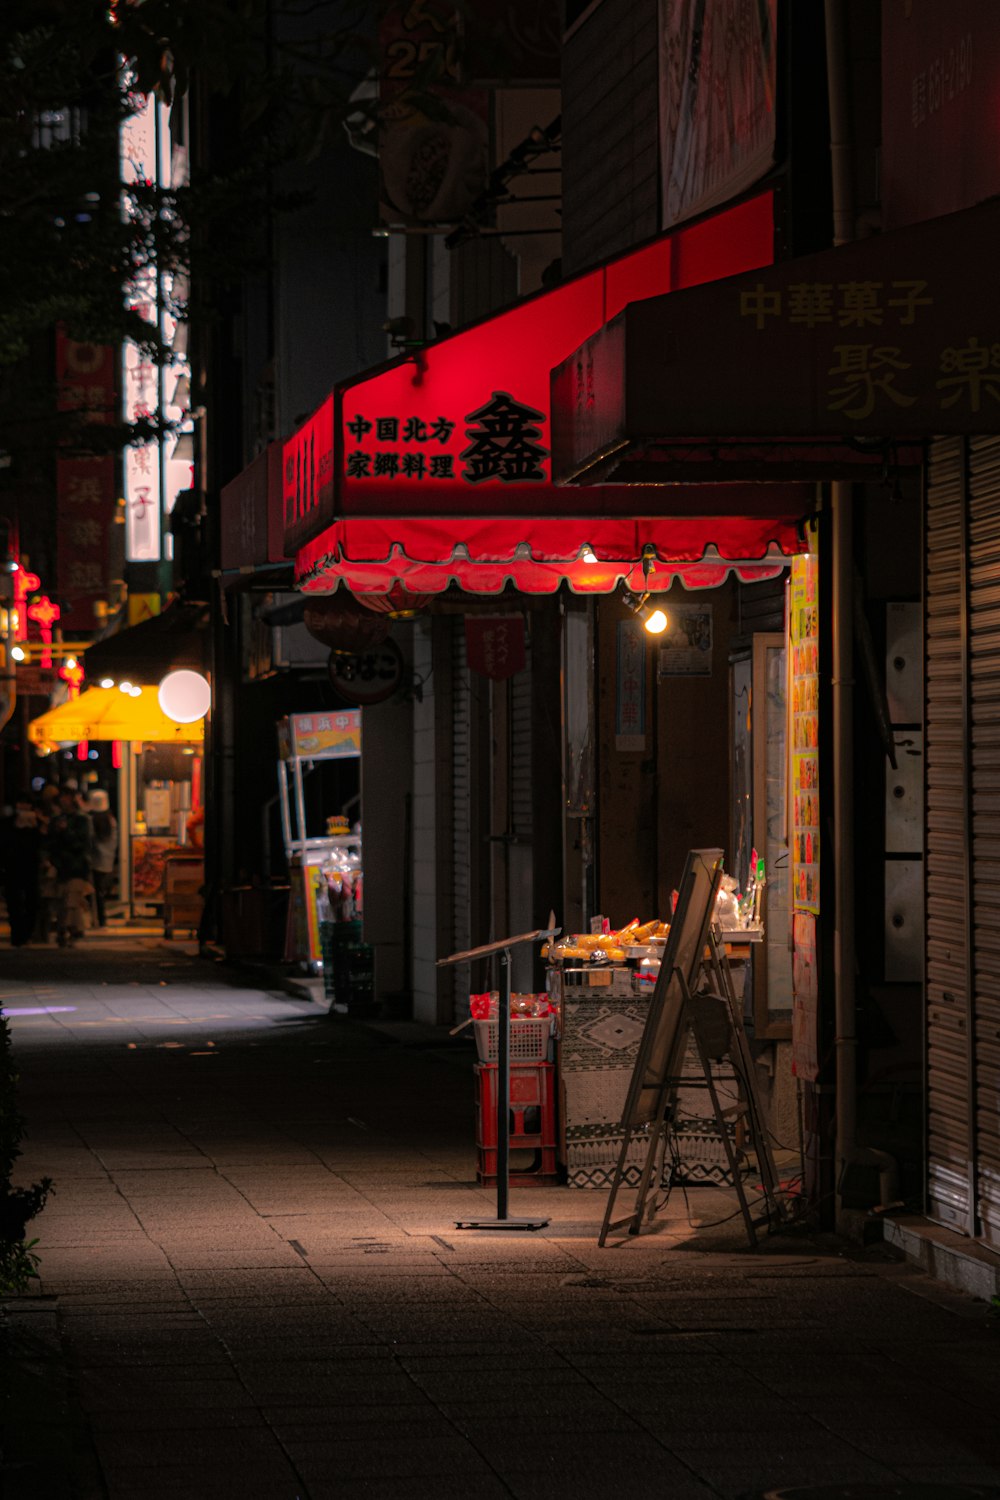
(159, 764)
(601, 984)
(324, 868)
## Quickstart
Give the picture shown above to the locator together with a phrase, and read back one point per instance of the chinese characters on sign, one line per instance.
(630, 691)
(500, 440)
(494, 645)
(365, 677)
(868, 375)
(804, 692)
(335, 736)
(158, 469)
(85, 484)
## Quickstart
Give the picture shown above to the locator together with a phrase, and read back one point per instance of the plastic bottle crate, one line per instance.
(532, 1119)
(529, 1039)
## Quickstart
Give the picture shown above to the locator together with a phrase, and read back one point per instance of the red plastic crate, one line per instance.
(532, 1120)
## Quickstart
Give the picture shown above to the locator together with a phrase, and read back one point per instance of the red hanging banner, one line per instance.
(494, 645)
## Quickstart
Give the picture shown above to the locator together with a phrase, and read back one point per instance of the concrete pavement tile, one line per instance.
(224, 1259)
(141, 1392)
(271, 1480)
(318, 1400)
(457, 1394)
(209, 1363)
(177, 1447)
(349, 1419)
(438, 1487)
(936, 1448)
(377, 1383)
(643, 1484)
(987, 1474)
(426, 1291)
(434, 1357)
(676, 1425)
(154, 1418)
(271, 1282)
(387, 1456)
(733, 1477)
(569, 1454)
(488, 1425)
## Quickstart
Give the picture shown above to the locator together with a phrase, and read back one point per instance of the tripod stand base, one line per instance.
(501, 1223)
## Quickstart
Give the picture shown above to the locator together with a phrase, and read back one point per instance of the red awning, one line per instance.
(483, 554)
(436, 469)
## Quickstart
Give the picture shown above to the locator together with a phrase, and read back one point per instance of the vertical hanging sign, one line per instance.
(85, 482)
(630, 687)
(140, 374)
(804, 711)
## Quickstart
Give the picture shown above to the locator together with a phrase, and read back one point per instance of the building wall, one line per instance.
(610, 133)
(386, 730)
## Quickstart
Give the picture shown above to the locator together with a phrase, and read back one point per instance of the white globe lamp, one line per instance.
(184, 696)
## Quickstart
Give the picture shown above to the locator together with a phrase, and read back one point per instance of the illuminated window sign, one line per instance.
(500, 440)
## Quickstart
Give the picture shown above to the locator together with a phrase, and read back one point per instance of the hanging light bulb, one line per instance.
(654, 619)
(588, 555)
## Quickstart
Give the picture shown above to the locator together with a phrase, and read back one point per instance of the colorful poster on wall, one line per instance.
(718, 69)
(803, 623)
(630, 688)
(686, 644)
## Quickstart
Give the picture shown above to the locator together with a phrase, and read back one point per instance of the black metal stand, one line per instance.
(503, 1219)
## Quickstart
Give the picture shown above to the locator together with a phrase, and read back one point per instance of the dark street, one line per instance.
(258, 1289)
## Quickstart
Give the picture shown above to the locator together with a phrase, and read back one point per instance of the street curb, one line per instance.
(949, 1257)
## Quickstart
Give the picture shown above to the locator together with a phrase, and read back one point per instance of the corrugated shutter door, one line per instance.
(947, 891)
(984, 651)
(462, 820)
(522, 729)
(520, 892)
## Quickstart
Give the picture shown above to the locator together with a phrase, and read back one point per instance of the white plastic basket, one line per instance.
(529, 1039)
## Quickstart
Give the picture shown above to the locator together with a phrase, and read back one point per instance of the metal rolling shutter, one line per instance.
(984, 651)
(948, 890)
(520, 866)
(462, 818)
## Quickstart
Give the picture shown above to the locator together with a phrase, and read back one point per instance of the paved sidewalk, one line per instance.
(261, 1291)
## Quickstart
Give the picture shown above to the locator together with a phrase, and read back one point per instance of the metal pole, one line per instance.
(503, 1088)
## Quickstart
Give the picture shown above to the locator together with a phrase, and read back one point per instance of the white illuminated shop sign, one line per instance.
(154, 472)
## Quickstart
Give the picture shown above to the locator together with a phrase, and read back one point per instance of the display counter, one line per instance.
(603, 1002)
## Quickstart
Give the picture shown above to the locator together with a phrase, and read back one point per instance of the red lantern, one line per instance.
(340, 623)
(397, 603)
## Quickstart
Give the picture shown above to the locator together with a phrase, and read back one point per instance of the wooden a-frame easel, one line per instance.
(693, 998)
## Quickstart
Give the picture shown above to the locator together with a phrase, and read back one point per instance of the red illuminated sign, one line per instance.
(25, 583)
(45, 614)
(85, 484)
(307, 487)
(463, 427)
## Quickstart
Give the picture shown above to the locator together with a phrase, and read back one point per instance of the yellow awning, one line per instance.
(109, 714)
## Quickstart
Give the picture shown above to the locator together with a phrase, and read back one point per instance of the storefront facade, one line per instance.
(429, 484)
